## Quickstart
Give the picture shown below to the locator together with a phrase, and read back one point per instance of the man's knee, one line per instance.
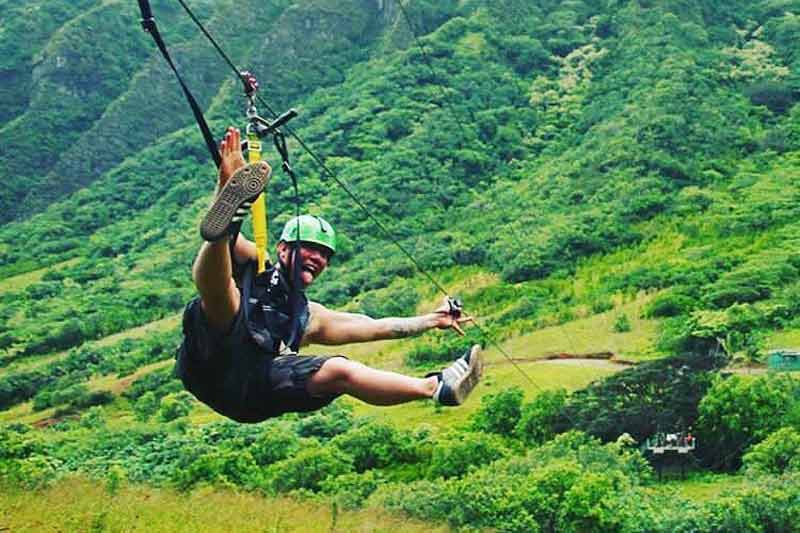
(333, 376)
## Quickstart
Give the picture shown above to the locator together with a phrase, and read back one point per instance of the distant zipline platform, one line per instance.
(662, 443)
(671, 448)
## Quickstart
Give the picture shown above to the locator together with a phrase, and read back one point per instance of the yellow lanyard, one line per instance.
(259, 208)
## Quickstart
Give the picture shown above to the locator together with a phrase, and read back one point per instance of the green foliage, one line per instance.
(78, 366)
(568, 152)
(622, 323)
(464, 452)
(553, 487)
(499, 413)
(541, 416)
(375, 445)
(308, 469)
(175, 406)
(24, 461)
(159, 383)
(146, 406)
(776, 454)
(738, 412)
(400, 301)
(669, 303)
(236, 467)
(351, 490)
(326, 423)
(94, 418)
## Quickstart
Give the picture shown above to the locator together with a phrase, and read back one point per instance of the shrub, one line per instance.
(540, 417)
(499, 413)
(308, 469)
(352, 489)
(94, 418)
(572, 483)
(777, 96)
(326, 423)
(375, 445)
(174, 407)
(24, 460)
(223, 466)
(457, 455)
(160, 383)
(74, 395)
(273, 446)
(146, 406)
(776, 454)
(400, 301)
(669, 303)
(622, 323)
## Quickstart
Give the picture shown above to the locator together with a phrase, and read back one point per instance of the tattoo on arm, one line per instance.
(407, 327)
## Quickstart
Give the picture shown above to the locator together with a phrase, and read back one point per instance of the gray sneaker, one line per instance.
(457, 380)
(234, 200)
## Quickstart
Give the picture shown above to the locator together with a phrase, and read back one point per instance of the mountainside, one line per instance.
(520, 138)
(559, 165)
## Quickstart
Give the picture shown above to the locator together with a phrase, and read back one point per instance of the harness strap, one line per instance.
(149, 25)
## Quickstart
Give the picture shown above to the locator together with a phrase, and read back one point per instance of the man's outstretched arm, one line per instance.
(336, 327)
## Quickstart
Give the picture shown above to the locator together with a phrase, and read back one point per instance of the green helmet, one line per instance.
(312, 229)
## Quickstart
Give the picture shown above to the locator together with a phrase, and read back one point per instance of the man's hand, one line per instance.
(230, 151)
(449, 315)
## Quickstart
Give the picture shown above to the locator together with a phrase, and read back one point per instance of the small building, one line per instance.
(783, 360)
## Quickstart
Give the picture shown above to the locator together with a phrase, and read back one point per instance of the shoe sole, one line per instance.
(245, 185)
(463, 387)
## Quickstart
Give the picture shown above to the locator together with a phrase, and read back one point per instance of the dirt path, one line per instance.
(594, 363)
(589, 362)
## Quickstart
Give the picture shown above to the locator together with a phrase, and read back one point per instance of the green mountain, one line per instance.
(554, 163)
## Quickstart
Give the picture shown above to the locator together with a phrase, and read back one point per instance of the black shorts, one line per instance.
(234, 376)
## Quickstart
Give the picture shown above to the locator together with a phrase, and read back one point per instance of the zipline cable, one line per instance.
(320, 162)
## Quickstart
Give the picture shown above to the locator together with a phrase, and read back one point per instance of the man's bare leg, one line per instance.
(212, 271)
(376, 387)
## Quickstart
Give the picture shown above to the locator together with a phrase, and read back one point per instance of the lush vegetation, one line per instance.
(621, 162)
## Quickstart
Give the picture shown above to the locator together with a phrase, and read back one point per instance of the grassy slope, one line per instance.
(82, 505)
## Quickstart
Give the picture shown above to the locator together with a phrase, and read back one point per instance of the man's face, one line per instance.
(314, 259)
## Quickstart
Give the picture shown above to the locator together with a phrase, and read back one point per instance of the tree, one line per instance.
(540, 417)
(499, 413)
(776, 454)
(740, 411)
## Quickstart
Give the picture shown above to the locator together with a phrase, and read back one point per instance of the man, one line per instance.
(239, 353)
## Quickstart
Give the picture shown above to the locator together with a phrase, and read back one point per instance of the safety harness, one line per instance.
(274, 318)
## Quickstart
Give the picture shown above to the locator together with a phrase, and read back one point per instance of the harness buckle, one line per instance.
(148, 24)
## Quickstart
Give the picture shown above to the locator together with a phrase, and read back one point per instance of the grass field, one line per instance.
(76, 504)
(20, 281)
(702, 486)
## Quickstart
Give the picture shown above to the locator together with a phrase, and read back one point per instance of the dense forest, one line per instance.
(615, 178)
